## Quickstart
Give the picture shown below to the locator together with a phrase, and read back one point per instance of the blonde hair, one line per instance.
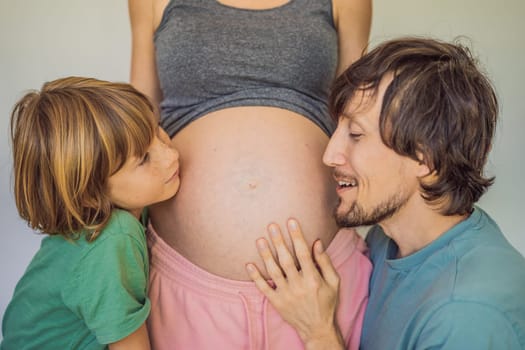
(68, 139)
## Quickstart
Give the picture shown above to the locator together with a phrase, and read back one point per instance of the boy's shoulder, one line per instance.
(122, 222)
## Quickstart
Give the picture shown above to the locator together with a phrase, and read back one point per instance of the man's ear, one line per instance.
(424, 168)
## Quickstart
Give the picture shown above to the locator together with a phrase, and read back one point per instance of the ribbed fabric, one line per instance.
(211, 56)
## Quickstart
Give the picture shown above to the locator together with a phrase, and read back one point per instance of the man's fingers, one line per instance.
(325, 264)
(302, 251)
(286, 260)
(272, 267)
(260, 282)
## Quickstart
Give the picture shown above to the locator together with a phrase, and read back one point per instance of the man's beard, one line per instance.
(357, 216)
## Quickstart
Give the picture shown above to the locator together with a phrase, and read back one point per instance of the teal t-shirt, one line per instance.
(466, 290)
(81, 295)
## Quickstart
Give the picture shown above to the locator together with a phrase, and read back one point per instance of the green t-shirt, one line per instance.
(81, 295)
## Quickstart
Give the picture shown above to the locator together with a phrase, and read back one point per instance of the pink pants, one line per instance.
(193, 309)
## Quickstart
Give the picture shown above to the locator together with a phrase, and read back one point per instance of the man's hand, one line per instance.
(307, 297)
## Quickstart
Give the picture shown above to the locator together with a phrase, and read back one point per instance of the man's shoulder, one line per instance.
(463, 324)
(490, 273)
(489, 280)
(486, 296)
(486, 261)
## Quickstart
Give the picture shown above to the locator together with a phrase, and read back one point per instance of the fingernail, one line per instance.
(261, 243)
(273, 230)
(250, 268)
(318, 247)
(292, 224)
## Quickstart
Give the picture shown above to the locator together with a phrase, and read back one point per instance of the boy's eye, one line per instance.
(144, 159)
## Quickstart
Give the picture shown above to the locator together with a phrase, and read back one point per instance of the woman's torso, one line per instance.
(249, 159)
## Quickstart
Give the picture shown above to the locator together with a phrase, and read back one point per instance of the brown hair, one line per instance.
(68, 139)
(439, 109)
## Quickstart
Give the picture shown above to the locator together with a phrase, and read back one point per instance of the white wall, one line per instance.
(41, 41)
(44, 40)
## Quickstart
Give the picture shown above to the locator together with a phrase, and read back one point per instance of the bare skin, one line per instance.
(315, 286)
(357, 154)
(137, 340)
(246, 166)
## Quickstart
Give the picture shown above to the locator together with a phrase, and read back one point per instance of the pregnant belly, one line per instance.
(241, 169)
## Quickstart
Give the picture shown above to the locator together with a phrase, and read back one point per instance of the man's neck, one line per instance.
(416, 225)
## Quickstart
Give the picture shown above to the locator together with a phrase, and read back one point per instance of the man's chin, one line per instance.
(357, 216)
(346, 218)
(353, 216)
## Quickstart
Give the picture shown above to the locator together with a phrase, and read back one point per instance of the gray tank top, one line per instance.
(211, 56)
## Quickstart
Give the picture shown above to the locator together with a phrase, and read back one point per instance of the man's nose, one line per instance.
(334, 154)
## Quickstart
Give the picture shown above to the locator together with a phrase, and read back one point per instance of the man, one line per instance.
(416, 123)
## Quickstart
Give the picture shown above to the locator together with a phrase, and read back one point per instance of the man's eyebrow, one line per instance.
(347, 115)
(352, 117)
(356, 118)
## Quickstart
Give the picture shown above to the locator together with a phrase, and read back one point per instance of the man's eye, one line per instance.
(144, 159)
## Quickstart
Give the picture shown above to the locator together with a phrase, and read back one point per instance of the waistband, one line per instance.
(180, 270)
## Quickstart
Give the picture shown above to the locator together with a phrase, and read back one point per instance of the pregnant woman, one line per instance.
(241, 87)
